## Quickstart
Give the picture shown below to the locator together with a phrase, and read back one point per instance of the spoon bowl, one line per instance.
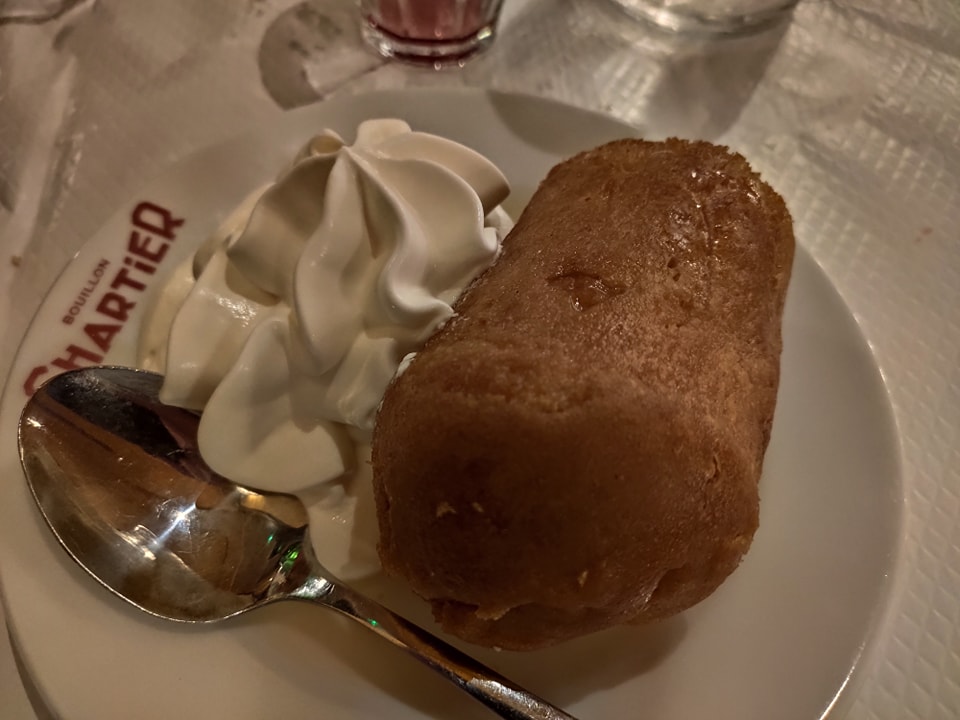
(118, 477)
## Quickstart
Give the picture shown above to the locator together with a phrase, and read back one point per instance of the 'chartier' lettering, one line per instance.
(154, 228)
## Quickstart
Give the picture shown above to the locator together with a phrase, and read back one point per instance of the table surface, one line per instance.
(852, 111)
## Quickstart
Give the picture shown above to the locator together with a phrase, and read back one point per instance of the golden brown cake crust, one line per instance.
(581, 446)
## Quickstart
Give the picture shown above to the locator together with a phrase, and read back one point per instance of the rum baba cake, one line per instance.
(581, 445)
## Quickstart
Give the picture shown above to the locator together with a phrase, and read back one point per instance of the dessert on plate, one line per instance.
(289, 322)
(599, 407)
(567, 433)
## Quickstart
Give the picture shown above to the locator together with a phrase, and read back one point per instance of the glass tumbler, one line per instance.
(723, 17)
(432, 32)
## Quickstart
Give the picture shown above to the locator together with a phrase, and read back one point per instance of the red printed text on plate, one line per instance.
(112, 293)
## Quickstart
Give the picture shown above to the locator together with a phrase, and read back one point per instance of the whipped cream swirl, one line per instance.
(304, 303)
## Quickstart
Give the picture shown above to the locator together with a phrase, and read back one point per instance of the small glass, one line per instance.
(432, 32)
(722, 17)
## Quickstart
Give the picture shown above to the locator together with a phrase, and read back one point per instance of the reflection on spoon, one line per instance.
(119, 480)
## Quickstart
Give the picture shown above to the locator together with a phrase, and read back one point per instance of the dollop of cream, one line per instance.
(303, 304)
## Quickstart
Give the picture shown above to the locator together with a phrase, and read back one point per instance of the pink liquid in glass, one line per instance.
(433, 19)
(430, 29)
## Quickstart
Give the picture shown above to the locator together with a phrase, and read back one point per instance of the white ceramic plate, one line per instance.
(781, 639)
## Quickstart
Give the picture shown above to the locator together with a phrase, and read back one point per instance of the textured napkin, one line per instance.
(852, 112)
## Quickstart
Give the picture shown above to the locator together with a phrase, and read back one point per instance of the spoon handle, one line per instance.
(504, 697)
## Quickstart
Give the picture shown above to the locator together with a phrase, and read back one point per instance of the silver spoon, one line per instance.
(119, 480)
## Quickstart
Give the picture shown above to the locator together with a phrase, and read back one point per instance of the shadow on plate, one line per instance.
(565, 674)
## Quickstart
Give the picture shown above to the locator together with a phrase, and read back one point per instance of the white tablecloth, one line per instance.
(853, 112)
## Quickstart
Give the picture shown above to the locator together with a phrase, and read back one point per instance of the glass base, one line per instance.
(437, 53)
(698, 18)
